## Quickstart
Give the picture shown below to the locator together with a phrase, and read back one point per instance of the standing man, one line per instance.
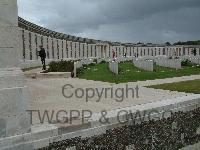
(42, 55)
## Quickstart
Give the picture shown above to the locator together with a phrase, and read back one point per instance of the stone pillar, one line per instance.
(55, 49)
(13, 92)
(45, 44)
(50, 48)
(81, 50)
(27, 48)
(89, 50)
(73, 50)
(69, 49)
(98, 49)
(33, 45)
(59, 48)
(84, 50)
(21, 51)
(64, 50)
(77, 50)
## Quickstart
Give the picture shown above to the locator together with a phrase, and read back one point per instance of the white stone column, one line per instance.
(45, 44)
(107, 50)
(132, 51)
(27, 48)
(98, 49)
(38, 44)
(55, 49)
(60, 49)
(50, 47)
(64, 50)
(93, 50)
(89, 50)
(69, 49)
(139, 51)
(33, 46)
(81, 50)
(73, 50)
(77, 50)
(21, 45)
(128, 51)
(14, 95)
(38, 40)
(84, 50)
(47, 48)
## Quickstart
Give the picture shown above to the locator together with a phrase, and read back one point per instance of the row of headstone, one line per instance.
(113, 67)
(87, 61)
(170, 63)
(79, 64)
(144, 64)
(99, 60)
(193, 59)
(123, 59)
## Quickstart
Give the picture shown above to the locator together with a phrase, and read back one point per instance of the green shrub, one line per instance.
(61, 66)
(103, 62)
(176, 57)
(186, 62)
(85, 66)
(92, 64)
(170, 57)
(95, 61)
(80, 70)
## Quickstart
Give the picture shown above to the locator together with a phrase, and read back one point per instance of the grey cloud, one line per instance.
(118, 20)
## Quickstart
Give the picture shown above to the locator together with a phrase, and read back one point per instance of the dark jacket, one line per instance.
(42, 53)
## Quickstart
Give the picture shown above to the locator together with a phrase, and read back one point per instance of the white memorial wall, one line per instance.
(62, 49)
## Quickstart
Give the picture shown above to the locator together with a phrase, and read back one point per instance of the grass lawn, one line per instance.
(129, 73)
(185, 86)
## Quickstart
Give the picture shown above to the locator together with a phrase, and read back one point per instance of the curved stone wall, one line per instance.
(62, 46)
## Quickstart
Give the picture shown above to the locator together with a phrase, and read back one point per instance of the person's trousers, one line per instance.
(43, 63)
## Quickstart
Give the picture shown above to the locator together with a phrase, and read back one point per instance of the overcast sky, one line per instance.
(155, 21)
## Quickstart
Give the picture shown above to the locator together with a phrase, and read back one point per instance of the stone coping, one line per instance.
(192, 147)
(49, 75)
(173, 105)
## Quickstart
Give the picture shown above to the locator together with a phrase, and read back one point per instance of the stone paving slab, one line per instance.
(47, 95)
